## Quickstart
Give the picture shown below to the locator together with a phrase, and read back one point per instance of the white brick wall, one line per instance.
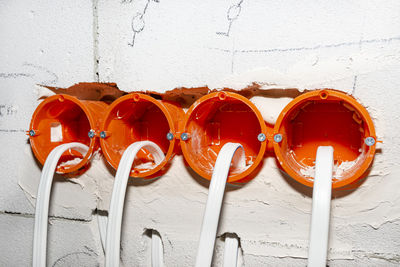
(347, 45)
(51, 43)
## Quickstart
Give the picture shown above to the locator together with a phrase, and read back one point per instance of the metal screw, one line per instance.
(278, 138)
(103, 134)
(91, 133)
(369, 141)
(261, 137)
(32, 133)
(184, 136)
(170, 136)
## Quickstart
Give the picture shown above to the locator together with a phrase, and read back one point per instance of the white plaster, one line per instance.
(338, 169)
(42, 92)
(42, 42)
(343, 167)
(351, 46)
(65, 248)
(270, 108)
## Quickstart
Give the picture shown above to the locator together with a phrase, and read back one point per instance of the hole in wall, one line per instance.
(56, 132)
(155, 246)
(108, 92)
(218, 256)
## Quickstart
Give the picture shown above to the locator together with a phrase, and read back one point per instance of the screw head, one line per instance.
(261, 137)
(369, 141)
(103, 134)
(184, 136)
(91, 133)
(278, 138)
(170, 136)
(32, 133)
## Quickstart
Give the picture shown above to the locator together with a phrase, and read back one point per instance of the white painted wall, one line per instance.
(347, 45)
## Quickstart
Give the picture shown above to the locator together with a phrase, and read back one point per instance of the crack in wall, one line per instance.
(74, 257)
(32, 215)
(96, 56)
(310, 48)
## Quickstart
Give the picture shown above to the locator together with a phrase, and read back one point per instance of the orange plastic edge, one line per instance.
(323, 95)
(173, 114)
(223, 96)
(41, 148)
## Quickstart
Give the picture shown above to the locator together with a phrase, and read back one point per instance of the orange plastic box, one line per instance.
(219, 118)
(139, 117)
(325, 118)
(63, 119)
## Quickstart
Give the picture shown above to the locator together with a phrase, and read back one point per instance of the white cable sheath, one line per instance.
(113, 236)
(231, 251)
(214, 201)
(102, 223)
(321, 205)
(157, 253)
(42, 201)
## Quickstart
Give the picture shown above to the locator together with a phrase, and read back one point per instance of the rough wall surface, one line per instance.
(352, 46)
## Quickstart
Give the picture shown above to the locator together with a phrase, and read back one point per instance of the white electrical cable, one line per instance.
(321, 205)
(42, 201)
(102, 223)
(113, 236)
(214, 201)
(157, 253)
(231, 251)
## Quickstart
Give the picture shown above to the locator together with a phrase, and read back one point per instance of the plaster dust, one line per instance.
(338, 169)
(70, 163)
(308, 171)
(146, 166)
